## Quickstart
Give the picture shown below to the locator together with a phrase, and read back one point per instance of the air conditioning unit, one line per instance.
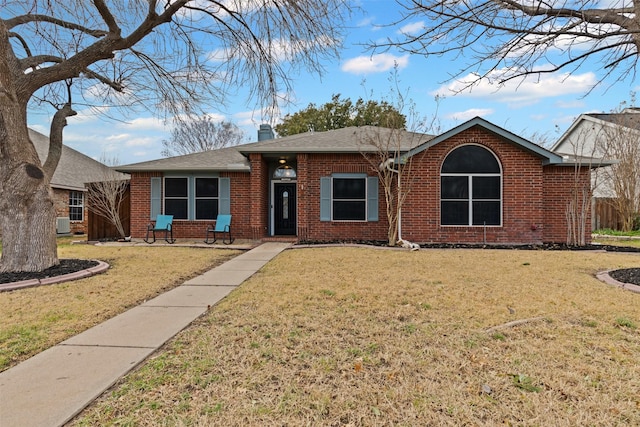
(63, 225)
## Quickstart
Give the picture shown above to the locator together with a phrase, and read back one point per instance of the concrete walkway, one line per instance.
(52, 387)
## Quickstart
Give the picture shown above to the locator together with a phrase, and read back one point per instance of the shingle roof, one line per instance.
(227, 159)
(355, 139)
(629, 120)
(74, 169)
(346, 140)
(547, 156)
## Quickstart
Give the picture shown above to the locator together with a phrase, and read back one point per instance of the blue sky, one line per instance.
(544, 106)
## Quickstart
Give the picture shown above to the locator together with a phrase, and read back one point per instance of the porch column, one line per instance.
(303, 200)
(259, 196)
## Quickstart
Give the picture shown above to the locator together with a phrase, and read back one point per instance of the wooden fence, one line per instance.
(98, 228)
(605, 215)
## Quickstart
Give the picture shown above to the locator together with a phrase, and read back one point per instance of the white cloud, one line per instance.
(518, 92)
(219, 55)
(144, 123)
(412, 29)
(375, 63)
(463, 116)
(87, 115)
(118, 137)
(366, 22)
(140, 153)
(248, 118)
(241, 6)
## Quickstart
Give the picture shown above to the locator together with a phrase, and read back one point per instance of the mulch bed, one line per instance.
(66, 266)
(627, 275)
(528, 247)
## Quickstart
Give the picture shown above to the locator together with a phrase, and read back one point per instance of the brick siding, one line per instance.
(61, 205)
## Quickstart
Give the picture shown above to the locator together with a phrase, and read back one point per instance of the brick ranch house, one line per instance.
(69, 184)
(476, 183)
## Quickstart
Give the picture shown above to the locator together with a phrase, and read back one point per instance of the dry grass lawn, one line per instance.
(35, 319)
(372, 337)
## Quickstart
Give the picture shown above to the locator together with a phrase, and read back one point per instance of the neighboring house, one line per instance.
(587, 137)
(588, 133)
(476, 183)
(68, 184)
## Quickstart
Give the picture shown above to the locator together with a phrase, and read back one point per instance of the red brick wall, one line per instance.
(560, 182)
(304, 217)
(530, 197)
(141, 208)
(315, 166)
(141, 202)
(61, 204)
(240, 204)
(259, 195)
(522, 201)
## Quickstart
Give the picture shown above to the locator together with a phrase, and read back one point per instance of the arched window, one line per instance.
(471, 188)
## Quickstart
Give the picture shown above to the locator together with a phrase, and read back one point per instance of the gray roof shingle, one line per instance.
(227, 159)
(346, 140)
(74, 169)
(629, 120)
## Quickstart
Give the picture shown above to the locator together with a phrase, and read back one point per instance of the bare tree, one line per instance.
(169, 56)
(508, 39)
(388, 158)
(587, 156)
(105, 197)
(394, 170)
(200, 134)
(578, 205)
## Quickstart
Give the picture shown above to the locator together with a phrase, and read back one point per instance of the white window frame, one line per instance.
(80, 205)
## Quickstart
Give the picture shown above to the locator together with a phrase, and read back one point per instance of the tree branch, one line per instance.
(31, 18)
(117, 86)
(55, 139)
(107, 17)
(36, 61)
(518, 34)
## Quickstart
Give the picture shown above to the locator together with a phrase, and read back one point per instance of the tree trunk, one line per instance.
(27, 214)
(28, 231)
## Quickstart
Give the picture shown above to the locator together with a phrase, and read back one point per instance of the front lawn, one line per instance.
(35, 319)
(365, 336)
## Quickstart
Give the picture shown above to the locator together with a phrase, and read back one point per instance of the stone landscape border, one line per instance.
(100, 268)
(606, 278)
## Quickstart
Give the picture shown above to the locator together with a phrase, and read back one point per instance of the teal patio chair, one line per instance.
(162, 223)
(223, 226)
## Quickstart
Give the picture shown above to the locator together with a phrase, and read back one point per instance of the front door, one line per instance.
(284, 209)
